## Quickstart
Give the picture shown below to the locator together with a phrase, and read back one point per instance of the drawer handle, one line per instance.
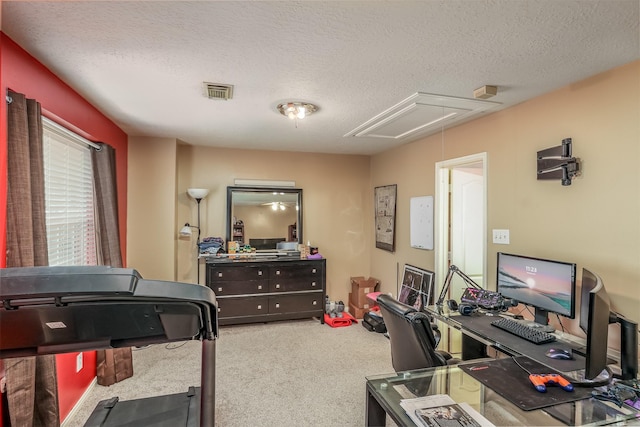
(314, 302)
(259, 307)
(313, 284)
(219, 309)
(277, 305)
(259, 272)
(278, 286)
(219, 273)
(313, 270)
(277, 272)
(259, 287)
(219, 289)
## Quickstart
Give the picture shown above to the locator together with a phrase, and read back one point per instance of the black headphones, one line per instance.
(466, 309)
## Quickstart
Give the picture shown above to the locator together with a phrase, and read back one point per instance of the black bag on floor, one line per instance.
(374, 323)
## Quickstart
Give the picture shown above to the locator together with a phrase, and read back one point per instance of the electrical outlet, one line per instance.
(79, 362)
(501, 237)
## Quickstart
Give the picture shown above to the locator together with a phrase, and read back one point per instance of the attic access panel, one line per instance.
(421, 113)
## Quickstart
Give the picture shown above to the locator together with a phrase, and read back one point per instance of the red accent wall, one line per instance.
(21, 72)
(71, 386)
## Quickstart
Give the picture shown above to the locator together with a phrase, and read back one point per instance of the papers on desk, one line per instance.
(441, 410)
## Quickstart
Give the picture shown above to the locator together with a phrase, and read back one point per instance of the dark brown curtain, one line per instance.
(32, 391)
(103, 162)
(117, 364)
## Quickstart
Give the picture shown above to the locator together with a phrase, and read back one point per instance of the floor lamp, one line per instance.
(197, 194)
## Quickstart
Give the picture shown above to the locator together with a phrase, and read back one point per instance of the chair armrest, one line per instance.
(444, 354)
(436, 334)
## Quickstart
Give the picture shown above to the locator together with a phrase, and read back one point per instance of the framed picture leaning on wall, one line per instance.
(416, 288)
(385, 220)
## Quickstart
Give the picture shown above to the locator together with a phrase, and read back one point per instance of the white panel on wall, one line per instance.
(421, 222)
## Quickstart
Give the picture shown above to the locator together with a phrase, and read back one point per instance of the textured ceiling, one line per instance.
(143, 63)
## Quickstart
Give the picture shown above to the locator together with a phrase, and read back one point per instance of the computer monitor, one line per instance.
(548, 286)
(594, 321)
(595, 317)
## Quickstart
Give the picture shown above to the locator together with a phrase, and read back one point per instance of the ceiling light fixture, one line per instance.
(297, 110)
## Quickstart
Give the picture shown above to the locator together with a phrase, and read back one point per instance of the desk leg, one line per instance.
(375, 415)
(208, 384)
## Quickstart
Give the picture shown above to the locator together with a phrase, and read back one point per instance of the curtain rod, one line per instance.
(74, 135)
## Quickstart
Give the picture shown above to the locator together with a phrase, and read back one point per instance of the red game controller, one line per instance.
(540, 382)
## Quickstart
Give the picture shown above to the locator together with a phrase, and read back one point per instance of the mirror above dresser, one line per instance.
(264, 216)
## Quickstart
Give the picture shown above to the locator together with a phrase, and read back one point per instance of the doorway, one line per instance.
(460, 223)
(460, 228)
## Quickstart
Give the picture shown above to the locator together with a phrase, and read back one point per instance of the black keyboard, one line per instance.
(523, 331)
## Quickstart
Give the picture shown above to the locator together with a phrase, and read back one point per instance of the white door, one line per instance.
(467, 222)
(460, 223)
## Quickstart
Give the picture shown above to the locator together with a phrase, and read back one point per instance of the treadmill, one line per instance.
(50, 310)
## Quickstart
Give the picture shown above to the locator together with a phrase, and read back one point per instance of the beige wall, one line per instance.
(336, 203)
(151, 203)
(595, 222)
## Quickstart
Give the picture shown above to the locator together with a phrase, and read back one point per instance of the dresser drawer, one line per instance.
(290, 285)
(245, 306)
(240, 287)
(227, 273)
(294, 271)
(295, 303)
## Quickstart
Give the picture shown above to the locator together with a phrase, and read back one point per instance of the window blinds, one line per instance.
(68, 192)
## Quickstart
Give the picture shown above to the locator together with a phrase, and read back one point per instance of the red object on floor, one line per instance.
(373, 296)
(337, 322)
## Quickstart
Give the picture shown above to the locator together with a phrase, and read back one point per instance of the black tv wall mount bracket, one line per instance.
(557, 163)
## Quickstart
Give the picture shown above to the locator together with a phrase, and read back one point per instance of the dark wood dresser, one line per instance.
(254, 290)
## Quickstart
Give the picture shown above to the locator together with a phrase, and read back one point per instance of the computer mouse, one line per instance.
(559, 353)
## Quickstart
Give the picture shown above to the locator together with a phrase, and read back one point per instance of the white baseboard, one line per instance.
(80, 401)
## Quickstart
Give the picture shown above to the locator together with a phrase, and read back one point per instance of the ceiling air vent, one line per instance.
(218, 91)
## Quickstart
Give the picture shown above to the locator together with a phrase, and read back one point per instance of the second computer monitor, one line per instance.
(546, 285)
(594, 320)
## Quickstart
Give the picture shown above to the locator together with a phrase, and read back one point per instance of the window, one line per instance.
(68, 192)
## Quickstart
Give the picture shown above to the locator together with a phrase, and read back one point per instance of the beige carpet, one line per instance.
(294, 373)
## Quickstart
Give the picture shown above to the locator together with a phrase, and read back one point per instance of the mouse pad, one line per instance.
(510, 381)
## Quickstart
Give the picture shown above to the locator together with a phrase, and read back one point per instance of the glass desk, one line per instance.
(384, 393)
(478, 335)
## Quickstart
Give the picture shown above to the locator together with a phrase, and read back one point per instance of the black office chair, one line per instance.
(413, 342)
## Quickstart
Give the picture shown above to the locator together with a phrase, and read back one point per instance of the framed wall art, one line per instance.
(416, 288)
(385, 220)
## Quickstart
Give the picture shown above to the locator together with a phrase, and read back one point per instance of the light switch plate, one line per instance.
(501, 236)
(79, 362)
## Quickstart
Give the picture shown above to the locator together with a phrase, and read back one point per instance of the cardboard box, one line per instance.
(355, 311)
(360, 287)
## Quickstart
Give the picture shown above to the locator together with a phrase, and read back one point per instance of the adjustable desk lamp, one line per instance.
(447, 283)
